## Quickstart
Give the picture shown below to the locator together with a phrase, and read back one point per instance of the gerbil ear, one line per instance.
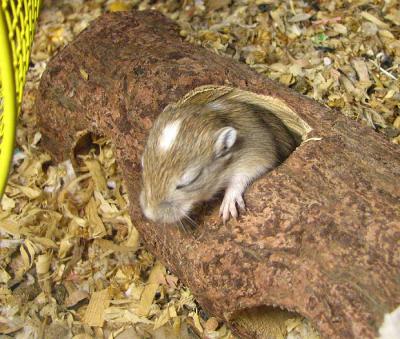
(226, 138)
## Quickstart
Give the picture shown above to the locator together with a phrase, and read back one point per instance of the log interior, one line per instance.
(268, 322)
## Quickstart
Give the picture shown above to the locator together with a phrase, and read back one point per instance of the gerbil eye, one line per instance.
(189, 178)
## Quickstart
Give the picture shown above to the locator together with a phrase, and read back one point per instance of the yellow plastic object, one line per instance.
(17, 27)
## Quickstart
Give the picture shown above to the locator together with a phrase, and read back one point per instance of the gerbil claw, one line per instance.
(241, 203)
(228, 206)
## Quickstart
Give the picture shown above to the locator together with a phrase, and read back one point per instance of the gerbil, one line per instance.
(205, 146)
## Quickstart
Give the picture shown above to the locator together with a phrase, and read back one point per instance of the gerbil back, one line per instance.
(284, 140)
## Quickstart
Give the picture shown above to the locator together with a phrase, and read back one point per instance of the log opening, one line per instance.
(297, 126)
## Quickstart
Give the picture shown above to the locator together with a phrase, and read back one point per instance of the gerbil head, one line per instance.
(184, 161)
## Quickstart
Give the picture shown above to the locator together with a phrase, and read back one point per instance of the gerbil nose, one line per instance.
(149, 213)
(157, 211)
(144, 204)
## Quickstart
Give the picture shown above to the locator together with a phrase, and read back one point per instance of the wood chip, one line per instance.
(7, 203)
(96, 226)
(10, 227)
(157, 276)
(300, 17)
(42, 268)
(374, 19)
(75, 297)
(97, 174)
(108, 245)
(99, 301)
(396, 123)
(196, 321)
(84, 74)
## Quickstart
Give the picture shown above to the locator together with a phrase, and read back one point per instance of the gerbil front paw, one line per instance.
(228, 206)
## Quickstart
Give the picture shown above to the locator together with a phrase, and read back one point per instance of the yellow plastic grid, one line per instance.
(17, 27)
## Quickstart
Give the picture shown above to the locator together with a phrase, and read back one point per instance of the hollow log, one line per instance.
(321, 232)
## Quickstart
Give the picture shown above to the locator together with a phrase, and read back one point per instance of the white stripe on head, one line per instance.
(168, 135)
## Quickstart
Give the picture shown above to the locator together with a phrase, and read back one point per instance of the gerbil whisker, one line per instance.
(189, 220)
(175, 212)
(183, 226)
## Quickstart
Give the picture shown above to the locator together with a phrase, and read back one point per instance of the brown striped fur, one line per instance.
(262, 142)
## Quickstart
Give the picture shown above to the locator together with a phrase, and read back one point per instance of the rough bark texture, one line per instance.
(321, 234)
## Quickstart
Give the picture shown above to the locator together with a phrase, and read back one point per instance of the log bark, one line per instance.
(321, 233)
